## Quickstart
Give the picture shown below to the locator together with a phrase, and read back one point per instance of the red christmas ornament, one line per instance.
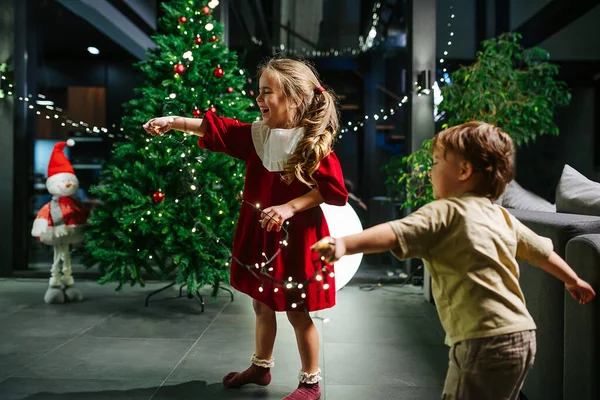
(198, 40)
(158, 197)
(218, 72)
(206, 10)
(213, 109)
(197, 113)
(229, 89)
(249, 80)
(251, 92)
(182, 19)
(214, 38)
(179, 69)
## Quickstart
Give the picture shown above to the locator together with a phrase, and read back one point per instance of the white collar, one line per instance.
(274, 146)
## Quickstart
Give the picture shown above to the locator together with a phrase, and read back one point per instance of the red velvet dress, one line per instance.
(305, 228)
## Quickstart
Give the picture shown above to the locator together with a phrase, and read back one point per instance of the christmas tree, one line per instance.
(168, 208)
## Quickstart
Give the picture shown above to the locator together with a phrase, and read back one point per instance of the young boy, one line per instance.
(470, 247)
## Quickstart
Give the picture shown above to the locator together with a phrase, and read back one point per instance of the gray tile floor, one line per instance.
(381, 344)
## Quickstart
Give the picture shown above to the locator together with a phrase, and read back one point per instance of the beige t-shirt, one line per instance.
(470, 246)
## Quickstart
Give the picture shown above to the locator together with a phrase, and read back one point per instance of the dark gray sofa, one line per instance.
(568, 335)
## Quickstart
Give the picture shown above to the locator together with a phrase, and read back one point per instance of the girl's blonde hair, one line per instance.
(315, 110)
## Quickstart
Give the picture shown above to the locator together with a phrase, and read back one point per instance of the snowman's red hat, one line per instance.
(59, 163)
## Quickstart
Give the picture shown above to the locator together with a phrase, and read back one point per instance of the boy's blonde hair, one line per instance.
(316, 112)
(487, 148)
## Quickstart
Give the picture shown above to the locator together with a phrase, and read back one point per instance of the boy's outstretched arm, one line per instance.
(377, 239)
(579, 289)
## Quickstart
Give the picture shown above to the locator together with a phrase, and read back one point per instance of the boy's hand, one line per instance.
(330, 249)
(581, 291)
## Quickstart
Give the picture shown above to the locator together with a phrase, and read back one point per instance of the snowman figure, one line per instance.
(60, 223)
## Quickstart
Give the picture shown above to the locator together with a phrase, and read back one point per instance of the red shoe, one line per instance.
(259, 373)
(308, 388)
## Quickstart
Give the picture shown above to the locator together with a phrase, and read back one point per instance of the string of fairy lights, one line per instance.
(383, 114)
(42, 106)
(364, 44)
(445, 78)
(262, 270)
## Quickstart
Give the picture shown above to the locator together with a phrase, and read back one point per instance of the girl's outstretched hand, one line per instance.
(330, 249)
(581, 291)
(159, 126)
(274, 217)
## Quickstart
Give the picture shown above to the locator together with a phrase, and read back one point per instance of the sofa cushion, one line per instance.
(518, 198)
(576, 194)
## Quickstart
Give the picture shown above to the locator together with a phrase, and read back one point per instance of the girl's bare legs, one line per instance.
(266, 330)
(307, 338)
(262, 360)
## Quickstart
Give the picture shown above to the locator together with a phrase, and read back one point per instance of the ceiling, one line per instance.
(64, 35)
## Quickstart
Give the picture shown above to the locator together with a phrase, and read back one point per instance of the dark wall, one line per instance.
(539, 165)
(7, 144)
(119, 78)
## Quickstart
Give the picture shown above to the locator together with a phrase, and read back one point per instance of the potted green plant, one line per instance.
(509, 86)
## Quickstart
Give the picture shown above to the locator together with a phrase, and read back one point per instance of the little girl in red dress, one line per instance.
(290, 169)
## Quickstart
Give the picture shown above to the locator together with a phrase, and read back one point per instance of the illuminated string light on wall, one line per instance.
(364, 45)
(368, 42)
(304, 52)
(383, 115)
(445, 76)
(421, 87)
(42, 106)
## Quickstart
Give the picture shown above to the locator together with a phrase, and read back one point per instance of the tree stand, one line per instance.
(196, 296)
